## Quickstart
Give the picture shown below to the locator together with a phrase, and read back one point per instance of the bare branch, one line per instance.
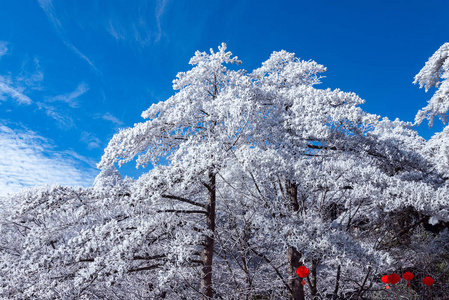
(184, 200)
(208, 187)
(364, 282)
(149, 257)
(183, 211)
(148, 268)
(275, 269)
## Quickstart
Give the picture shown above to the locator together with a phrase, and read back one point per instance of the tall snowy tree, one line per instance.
(253, 174)
(194, 130)
(435, 74)
(304, 127)
(301, 120)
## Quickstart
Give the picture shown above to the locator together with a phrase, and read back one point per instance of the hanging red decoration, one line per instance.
(408, 276)
(428, 281)
(303, 282)
(303, 271)
(394, 278)
(385, 279)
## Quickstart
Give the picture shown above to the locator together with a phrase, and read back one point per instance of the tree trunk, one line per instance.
(337, 281)
(313, 288)
(293, 255)
(208, 251)
(294, 281)
(292, 195)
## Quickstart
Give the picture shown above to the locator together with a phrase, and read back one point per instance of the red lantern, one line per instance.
(385, 279)
(303, 271)
(394, 278)
(428, 281)
(408, 276)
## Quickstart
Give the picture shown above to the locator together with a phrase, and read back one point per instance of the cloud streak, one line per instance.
(63, 120)
(142, 24)
(159, 12)
(72, 98)
(27, 159)
(30, 78)
(60, 114)
(3, 48)
(109, 117)
(116, 31)
(91, 140)
(7, 90)
(7, 87)
(49, 10)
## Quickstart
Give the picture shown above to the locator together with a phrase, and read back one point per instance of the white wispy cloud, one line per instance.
(72, 98)
(91, 140)
(60, 114)
(19, 86)
(160, 9)
(28, 159)
(142, 24)
(3, 48)
(80, 54)
(63, 119)
(48, 8)
(116, 30)
(109, 117)
(31, 75)
(7, 90)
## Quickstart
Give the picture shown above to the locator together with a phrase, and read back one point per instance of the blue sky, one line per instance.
(73, 72)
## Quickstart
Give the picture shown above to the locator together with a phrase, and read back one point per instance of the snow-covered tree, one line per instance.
(435, 74)
(252, 175)
(323, 132)
(195, 130)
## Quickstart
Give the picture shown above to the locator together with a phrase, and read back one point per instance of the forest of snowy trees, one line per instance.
(250, 175)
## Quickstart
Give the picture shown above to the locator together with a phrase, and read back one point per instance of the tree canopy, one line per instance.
(249, 175)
